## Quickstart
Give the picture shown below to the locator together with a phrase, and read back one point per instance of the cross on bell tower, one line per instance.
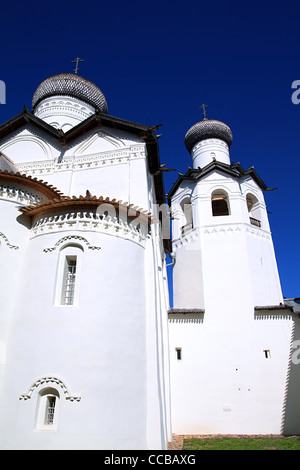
(203, 106)
(77, 60)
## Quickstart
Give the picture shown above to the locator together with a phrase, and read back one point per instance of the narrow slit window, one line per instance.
(47, 411)
(68, 275)
(267, 353)
(50, 410)
(69, 280)
(179, 354)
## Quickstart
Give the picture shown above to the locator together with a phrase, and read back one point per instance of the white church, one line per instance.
(91, 354)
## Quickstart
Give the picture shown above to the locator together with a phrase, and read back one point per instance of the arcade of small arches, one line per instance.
(220, 206)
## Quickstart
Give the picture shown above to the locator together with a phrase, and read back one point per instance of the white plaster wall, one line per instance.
(224, 384)
(159, 430)
(109, 352)
(29, 145)
(14, 236)
(97, 348)
(111, 349)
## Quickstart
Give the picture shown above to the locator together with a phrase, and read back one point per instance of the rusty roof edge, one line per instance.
(40, 184)
(66, 201)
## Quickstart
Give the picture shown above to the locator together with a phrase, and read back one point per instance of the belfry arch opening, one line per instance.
(187, 215)
(219, 203)
(253, 210)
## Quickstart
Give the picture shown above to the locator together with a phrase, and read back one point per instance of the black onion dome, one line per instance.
(70, 84)
(207, 129)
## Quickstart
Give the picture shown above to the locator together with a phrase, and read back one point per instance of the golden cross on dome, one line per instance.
(203, 106)
(77, 60)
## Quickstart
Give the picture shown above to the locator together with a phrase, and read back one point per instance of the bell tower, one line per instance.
(224, 274)
(221, 233)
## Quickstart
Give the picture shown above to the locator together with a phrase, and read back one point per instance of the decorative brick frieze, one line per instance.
(88, 221)
(50, 381)
(77, 163)
(72, 238)
(11, 193)
(12, 247)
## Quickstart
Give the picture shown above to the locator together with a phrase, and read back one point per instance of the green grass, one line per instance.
(245, 443)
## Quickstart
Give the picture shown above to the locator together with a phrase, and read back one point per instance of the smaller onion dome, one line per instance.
(207, 129)
(70, 84)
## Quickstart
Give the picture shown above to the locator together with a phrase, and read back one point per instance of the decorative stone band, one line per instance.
(218, 230)
(89, 202)
(12, 247)
(60, 106)
(20, 195)
(88, 221)
(79, 162)
(90, 214)
(72, 238)
(54, 381)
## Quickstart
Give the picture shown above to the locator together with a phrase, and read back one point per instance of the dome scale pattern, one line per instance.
(70, 84)
(207, 129)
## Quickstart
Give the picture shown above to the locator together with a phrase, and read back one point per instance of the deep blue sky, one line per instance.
(157, 62)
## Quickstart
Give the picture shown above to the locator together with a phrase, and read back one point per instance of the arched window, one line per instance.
(47, 412)
(187, 213)
(254, 210)
(219, 203)
(68, 274)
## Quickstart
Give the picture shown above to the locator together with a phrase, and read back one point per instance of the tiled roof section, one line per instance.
(87, 202)
(186, 314)
(290, 305)
(273, 307)
(47, 189)
(186, 311)
(273, 311)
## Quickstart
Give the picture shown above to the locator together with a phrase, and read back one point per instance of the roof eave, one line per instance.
(43, 187)
(24, 118)
(235, 170)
